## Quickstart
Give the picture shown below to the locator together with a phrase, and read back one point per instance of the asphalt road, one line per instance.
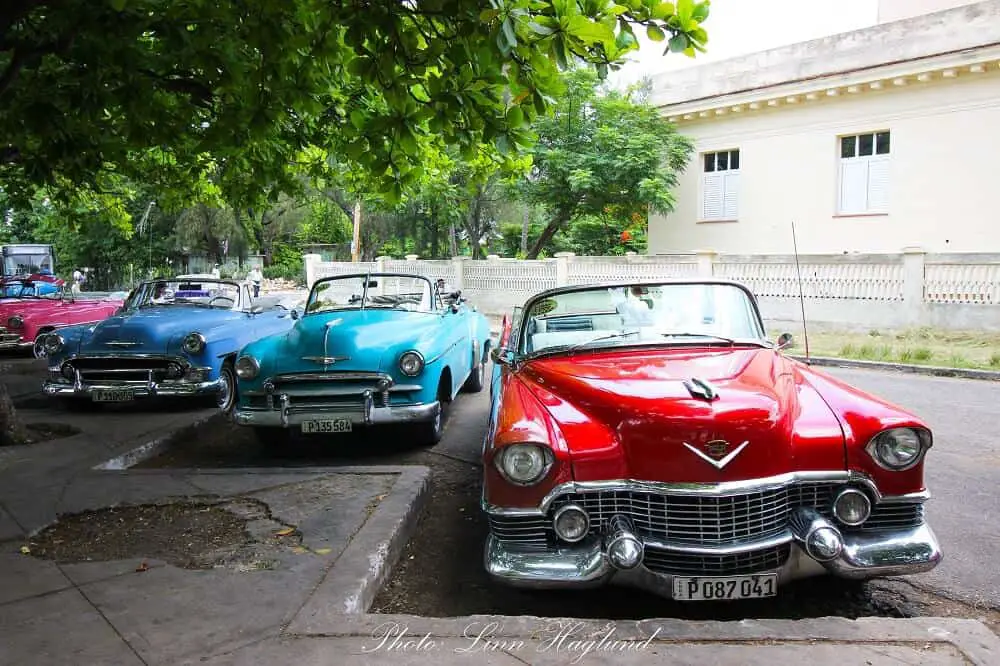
(963, 474)
(441, 572)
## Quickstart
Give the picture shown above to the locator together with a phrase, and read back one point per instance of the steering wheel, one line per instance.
(220, 298)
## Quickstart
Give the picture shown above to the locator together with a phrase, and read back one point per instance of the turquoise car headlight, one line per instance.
(194, 343)
(411, 363)
(247, 367)
(54, 343)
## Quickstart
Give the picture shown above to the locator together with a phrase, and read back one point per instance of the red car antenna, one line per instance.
(802, 298)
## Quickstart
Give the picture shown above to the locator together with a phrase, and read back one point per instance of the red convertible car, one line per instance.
(651, 435)
(26, 318)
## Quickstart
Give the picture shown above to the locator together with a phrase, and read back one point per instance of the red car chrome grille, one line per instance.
(691, 520)
(735, 564)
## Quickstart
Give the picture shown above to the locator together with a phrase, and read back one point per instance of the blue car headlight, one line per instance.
(54, 343)
(411, 363)
(194, 343)
(247, 367)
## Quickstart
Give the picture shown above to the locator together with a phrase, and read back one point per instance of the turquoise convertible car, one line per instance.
(370, 349)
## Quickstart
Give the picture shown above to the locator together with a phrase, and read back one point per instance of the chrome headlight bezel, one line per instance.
(53, 343)
(17, 321)
(247, 367)
(543, 456)
(847, 492)
(194, 343)
(416, 357)
(877, 447)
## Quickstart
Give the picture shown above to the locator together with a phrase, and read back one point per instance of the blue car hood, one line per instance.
(365, 336)
(156, 330)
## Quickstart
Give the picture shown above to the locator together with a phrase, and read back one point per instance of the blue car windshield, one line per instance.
(378, 290)
(206, 292)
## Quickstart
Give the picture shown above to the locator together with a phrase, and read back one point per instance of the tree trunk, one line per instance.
(547, 234)
(12, 431)
(452, 240)
(524, 229)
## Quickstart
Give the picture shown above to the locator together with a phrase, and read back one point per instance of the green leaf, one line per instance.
(662, 10)
(685, 11)
(587, 30)
(507, 28)
(654, 33)
(359, 65)
(515, 116)
(543, 30)
(503, 144)
(678, 43)
(488, 15)
(701, 11)
(358, 118)
(117, 5)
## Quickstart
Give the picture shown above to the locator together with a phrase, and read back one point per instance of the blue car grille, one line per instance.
(122, 368)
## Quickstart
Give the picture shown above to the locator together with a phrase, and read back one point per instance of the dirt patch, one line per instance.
(185, 534)
(42, 432)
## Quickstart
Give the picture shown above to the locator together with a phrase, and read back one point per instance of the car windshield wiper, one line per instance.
(599, 338)
(699, 335)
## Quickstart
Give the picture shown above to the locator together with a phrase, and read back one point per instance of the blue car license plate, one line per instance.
(725, 588)
(318, 426)
(113, 395)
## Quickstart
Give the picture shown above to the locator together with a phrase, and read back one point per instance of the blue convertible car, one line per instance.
(369, 349)
(172, 337)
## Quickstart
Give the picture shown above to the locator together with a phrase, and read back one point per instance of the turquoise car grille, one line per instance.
(345, 388)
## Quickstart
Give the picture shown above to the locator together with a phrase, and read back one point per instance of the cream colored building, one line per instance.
(869, 141)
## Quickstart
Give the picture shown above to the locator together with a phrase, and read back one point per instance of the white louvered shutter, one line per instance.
(853, 186)
(731, 199)
(713, 198)
(878, 185)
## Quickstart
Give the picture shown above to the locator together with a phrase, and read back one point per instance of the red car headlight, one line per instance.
(524, 464)
(899, 449)
(15, 322)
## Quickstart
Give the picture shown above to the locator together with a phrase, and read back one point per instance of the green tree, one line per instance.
(602, 155)
(168, 90)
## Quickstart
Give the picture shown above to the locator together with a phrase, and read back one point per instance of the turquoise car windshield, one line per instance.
(354, 292)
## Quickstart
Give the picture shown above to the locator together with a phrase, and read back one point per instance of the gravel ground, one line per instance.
(440, 573)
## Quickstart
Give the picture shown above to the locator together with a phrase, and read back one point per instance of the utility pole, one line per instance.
(356, 243)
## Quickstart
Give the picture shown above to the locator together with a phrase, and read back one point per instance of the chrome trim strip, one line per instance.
(725, 549)
(366, 414)
(332, 376)
(700, 489)
(445, 352)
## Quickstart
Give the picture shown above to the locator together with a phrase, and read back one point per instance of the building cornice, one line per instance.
(929, 70)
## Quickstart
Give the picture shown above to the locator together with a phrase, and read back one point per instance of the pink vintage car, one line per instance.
(24, 317)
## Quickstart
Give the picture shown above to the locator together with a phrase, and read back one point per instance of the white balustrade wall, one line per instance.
(856, 291)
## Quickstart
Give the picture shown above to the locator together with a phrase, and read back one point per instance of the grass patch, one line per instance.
(920, 346)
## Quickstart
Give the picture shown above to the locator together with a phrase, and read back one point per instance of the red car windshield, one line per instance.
(667, 313)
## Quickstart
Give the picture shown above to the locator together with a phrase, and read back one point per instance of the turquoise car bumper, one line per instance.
(287, 415)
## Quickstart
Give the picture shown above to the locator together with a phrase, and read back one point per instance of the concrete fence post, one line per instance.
(706, 262)
(913, 282)
(562, 267)
(380, 263)
(311, 262)
(458, 264)
(412, 257)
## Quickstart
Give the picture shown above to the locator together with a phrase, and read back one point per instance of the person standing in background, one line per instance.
(256, 278)
(78, 278)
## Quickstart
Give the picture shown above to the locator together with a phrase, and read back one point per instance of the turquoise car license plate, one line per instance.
(113, 395)
(725, 588)
(318, 426)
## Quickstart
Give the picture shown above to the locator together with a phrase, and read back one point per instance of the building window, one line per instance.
(720, 189)
(864, 174)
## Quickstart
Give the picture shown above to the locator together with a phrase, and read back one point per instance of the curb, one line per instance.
(976, 643)
(148, 450)
(370, 557)
(932, 370)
